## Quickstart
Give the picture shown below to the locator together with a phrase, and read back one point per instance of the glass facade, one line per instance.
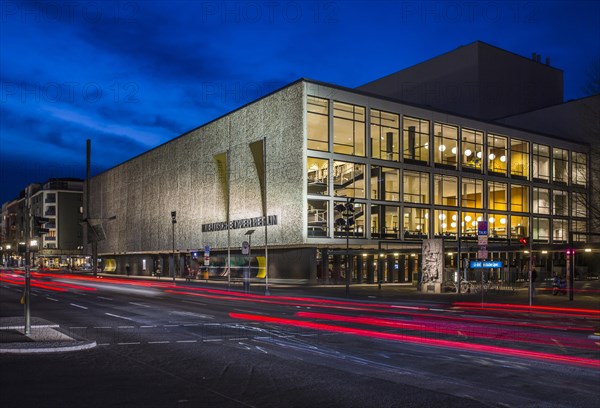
(438, 178)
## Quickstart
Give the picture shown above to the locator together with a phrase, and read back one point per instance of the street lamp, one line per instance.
(345, 221)
(173, 222)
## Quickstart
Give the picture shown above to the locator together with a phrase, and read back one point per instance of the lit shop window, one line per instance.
(497, 196)
(497, 154)
(541, 229)
(317, 218)
(519, 159)
(317, 176)
(519, 226)
(415, 223)
(348, 129)
(498, 225)
(541, 162)
(415, 140)
(348, 179)
(446, 223)
(579, 176)
(472, 193)
(469, 222)
(317, 123)
(560, 166)
(445, 190)
(385, 184)
(385, 135)
(519, 198)
(541, 200)
(416, 187)
(472, 149)
(445, 145)
(385, 222)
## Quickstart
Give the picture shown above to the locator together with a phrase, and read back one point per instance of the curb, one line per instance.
(18, 348)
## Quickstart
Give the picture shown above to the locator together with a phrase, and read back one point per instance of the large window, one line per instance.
(519, 226)
(445, 144)
(385, 222)
(541, 200)
(385, 183)
(385, 135)
(317, 218)
(497, 154)
(560, 166)
(497, 196)
(348, 129)
(445, 223)
(416, 140)
(349, 179)
(560, 202)
(445, 190)
(519, 158)
(472, 193)
(469, 223)
(498, 225)
(416, 223)
(317, 177)
(579, 205)
(318, 123)
(357, 229)
(472, 149)
(416, 187)
(560, 230)
(541, 162)
(541, 229)
(519, 198)
(579, 175)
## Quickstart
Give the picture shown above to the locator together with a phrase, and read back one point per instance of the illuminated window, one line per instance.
(349, 179)
(498, 225)
(579, 205)
(416, 187)
(579, 176)
(541, 200)
(317, 220)
(541, 229)
(385, 135)
(385, 183)
(385, 222)
(445, 190)
(445, 144)
(348, 129)
(497, 154)
(579, 229)
(469, 222)
(472, 193)
(560, 163)
(416, 140)
(415, 223)
(519, 158)
(560, 202)
(497, 196)
(317, 116)
(541, 162)
(519, 226)
(560, 230)
(317, 177)
(519, 198)
(472, 149)
(357, 230)
(445, 223)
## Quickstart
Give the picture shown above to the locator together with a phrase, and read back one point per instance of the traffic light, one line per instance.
(174, 217)
(38, 226)
(524, 241)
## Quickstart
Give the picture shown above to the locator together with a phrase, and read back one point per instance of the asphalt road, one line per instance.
(192, 345)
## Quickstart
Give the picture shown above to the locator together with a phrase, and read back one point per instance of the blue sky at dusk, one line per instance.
(132, 75)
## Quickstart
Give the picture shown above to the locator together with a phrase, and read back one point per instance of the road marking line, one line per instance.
(170, 325)
(104, 344)
(105, 298)
(102, 327)
(145, 327)
(125, 327)
(239, 338)
(127, 344)
(77, 327)
(158, 342)
(117, 316)
(213, 340)
(139, 304)
(194, 303)
(187, 341)
(79, 306)
(52, 299)
(191, 325)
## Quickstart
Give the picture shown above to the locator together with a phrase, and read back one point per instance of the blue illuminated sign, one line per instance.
(485, 264)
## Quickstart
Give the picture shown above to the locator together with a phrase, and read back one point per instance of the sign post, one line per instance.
(482, 240)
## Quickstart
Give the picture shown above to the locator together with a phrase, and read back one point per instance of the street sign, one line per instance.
(482, 253)
(482, 241)
(207, 261)
(245, 248)
(485, 264)
(482, 227)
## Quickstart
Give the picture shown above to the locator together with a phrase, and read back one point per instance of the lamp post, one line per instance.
(173, 222)
(345, 220)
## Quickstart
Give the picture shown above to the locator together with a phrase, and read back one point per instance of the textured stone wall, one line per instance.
(182, 175)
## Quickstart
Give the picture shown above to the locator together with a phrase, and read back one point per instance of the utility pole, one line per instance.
(173, 222)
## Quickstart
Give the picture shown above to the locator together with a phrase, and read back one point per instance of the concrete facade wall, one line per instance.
(182, 175)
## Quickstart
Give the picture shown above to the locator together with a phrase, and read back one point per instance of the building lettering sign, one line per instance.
(237, 224)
